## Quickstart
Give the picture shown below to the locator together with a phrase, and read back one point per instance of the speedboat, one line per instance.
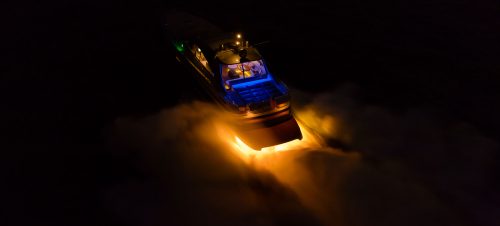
(235, 76)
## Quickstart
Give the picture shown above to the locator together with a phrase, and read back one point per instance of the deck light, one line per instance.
(199, 50)
(238, 36)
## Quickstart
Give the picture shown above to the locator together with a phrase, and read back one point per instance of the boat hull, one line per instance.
(261, 135)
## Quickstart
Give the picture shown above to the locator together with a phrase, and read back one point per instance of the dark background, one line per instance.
(72, 67)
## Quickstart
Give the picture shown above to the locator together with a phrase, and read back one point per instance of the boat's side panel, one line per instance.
(203, 77)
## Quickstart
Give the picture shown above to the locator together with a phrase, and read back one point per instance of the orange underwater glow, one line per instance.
(286, 161)
(310, 140)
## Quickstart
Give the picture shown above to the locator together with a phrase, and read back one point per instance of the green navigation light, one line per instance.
(179, 46)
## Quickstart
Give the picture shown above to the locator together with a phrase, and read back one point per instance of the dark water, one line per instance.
(72, 68)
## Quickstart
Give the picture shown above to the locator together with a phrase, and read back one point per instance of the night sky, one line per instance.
(103, 127)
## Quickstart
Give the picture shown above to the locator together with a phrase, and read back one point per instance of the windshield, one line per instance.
(245, 70)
